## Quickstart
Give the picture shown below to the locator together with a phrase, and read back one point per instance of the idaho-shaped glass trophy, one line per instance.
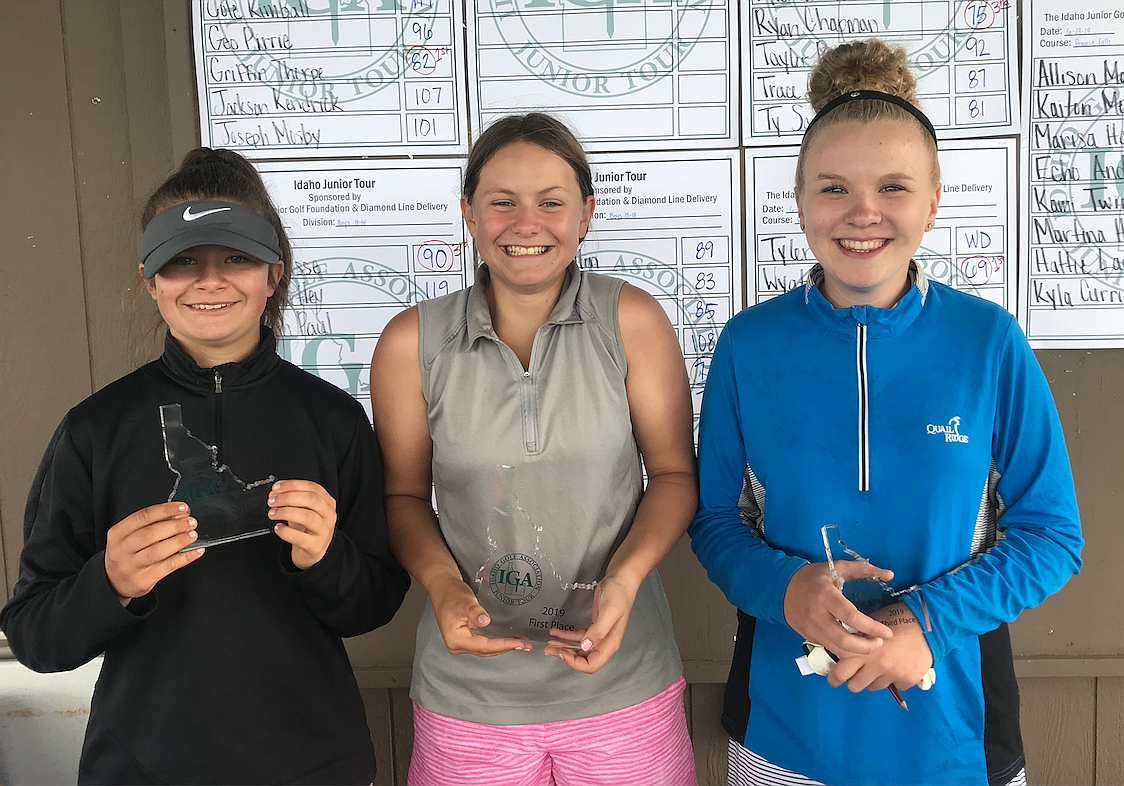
(524, 584)
(225, 507)
(868, 595)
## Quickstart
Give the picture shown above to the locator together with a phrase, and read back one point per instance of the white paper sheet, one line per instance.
(969, 248)
(627, 74)
(673, 229)
(321, 78)
(963, 53)
(369, 241)
(1073, 175)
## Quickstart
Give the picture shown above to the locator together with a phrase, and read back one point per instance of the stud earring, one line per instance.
(929, 227)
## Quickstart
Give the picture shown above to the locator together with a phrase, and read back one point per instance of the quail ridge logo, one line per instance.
(951, 431)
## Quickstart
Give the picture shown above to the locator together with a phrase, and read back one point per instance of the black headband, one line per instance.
(875, 95)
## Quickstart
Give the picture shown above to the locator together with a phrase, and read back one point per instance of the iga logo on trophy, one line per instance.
(515, 579)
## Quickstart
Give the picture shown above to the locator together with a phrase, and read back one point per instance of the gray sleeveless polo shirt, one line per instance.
(560, 433)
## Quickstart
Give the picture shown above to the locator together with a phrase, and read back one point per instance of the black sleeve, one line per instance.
(358, 585)
(63, 611)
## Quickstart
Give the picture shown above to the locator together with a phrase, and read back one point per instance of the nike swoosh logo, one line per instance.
(189, 216)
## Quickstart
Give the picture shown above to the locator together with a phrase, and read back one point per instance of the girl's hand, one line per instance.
(306, 516)
(902, 661)
(612, 605)
(816, 609)
(144, 547)
(461, 619)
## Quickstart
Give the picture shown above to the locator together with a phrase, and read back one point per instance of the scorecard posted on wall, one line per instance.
(1073, 174)
(631, 75)
(314, 79)
(369, 240)
(964, 55)
(671, 225)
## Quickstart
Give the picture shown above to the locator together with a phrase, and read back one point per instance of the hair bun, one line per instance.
(862, 65)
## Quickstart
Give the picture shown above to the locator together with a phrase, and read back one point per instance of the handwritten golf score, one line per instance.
(673, 229)
(970, 248)
(1073, 174)
(369, 240)
(627, 74)
(963, 53)
(323, 78)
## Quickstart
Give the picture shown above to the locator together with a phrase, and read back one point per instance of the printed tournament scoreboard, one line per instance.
(707, 96)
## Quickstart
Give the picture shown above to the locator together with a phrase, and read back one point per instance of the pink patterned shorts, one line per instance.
(643, 744)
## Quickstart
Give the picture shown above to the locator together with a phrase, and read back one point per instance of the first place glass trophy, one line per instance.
(519, 585)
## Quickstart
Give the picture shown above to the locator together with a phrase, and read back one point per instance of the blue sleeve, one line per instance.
(1040, 541)
(752, 574)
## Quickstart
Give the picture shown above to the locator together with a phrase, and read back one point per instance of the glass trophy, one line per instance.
(867, 595)
(519, 584)
(225, 507)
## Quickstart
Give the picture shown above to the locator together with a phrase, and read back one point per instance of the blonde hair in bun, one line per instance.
(862, 65)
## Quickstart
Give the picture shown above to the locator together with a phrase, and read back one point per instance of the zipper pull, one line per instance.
(218, 381)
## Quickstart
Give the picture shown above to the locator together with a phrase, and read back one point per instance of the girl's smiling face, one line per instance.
(212, 299)
(526, 217)
(867, 198)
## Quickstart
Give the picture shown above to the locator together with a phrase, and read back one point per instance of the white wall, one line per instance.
(42, 722)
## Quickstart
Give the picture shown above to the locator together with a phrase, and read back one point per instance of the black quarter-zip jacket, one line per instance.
(232, 670)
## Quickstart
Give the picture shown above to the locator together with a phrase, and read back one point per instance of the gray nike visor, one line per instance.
(207, 222)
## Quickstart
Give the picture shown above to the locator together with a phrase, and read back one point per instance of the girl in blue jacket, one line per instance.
(915, 419)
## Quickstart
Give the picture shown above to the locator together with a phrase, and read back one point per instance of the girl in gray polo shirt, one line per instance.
(526, 402)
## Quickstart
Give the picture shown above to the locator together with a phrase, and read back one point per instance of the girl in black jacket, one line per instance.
(223, 664)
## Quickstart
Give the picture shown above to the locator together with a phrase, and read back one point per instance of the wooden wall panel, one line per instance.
(1110, 731)
(687, 709)
(377, 703)
(147, 76)
(402, 718)
(151, 160)
(705, 622)
(182, 107)
(392, 644)
(1058, 722)
(707, 735)
(104, 142)
(44, 352)
(1084, 618)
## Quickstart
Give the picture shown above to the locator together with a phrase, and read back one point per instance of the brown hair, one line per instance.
(862, 65)
(538, 128)
(227, 176)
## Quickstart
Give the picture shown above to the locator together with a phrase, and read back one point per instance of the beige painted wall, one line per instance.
(98, 106)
